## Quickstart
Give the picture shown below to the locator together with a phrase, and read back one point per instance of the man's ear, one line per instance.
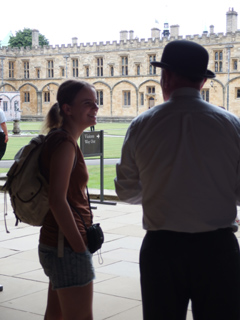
(66, 108)
(203, 82)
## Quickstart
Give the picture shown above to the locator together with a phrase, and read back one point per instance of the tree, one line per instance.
(23, 38)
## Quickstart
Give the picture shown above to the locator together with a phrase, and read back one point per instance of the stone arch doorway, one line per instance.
(151, 102)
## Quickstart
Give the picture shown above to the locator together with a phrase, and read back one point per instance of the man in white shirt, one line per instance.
(3, 134)
(181, 161)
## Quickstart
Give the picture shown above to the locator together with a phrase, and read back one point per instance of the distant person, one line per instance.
(3, 134)
(181, 161)
(92, 128)
(71, 274)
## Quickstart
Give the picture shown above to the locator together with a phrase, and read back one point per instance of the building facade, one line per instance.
(121, 72)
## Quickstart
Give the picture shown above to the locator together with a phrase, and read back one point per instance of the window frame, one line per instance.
(11, 67)
(50, 69)
(26, 96)
(75, 69)
(100, 98)
(218, 61)
(152, 69)
(124, 65)
(46, 96)
(99, 64)
(205, 94)
(126, 96)
(26, 73)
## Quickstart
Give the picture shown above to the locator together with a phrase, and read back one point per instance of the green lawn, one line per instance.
(118, 128)
(112, 146)
(112, 149)
(94, 177)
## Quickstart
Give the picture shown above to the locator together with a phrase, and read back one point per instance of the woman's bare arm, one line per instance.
(60, 170)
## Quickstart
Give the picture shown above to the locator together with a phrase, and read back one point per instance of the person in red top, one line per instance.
(71, 277)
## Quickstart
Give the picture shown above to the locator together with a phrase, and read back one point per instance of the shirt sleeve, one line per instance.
(127, 182)
(237, 190)
(2, 117)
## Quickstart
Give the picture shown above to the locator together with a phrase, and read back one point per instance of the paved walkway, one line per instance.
(116, 289)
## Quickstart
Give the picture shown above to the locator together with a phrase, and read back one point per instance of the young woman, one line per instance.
(70, 276)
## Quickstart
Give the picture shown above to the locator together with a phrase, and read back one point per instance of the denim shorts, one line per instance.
(73, 270)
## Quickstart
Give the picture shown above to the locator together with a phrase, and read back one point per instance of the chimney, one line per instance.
(35, 38)
(211, 29)
(123, 35)
(155, 33)
(131, 34)
(74, 41)
(231, 20)
(174, 31)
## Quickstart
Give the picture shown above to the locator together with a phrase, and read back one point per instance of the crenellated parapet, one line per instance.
(129, 44)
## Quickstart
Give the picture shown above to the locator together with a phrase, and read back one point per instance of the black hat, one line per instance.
(186, 58)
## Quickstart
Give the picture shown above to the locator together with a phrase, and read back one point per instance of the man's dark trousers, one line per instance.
(3, 145)
(202, 267)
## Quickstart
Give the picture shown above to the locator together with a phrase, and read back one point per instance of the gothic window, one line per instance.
(99, 67)
(38, 73)
(75, 67)
(124, 66)
(11, 69)
(46, 96)
(237, 93)
(26, 97)
(100, 97)
(205, 94)
(87, 71)
(218, 55)
(26, 69)
(151, 90)
(111, 71)
(50, 70)
(138, 69)
(141, 98)
(5, 106)
(152, 69)
(235, 65)
(126, 98)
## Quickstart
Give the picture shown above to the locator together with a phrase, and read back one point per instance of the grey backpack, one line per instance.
(27, 188)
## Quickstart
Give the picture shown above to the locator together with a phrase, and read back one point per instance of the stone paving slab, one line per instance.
(116, 287)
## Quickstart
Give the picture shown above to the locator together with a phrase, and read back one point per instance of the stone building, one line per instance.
(125, 81)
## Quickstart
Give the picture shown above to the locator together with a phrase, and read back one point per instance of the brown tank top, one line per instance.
(76, 194)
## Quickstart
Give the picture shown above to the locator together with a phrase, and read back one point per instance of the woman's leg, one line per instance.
(53, 310)
(76, 302)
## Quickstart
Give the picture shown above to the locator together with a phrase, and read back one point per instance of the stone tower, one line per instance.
(35, 38)
(231, 20)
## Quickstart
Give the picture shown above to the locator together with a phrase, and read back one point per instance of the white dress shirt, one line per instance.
(181, 161)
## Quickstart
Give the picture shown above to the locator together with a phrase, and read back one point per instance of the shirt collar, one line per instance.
(186, 92)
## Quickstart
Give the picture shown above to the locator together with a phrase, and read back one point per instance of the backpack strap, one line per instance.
(5, 210)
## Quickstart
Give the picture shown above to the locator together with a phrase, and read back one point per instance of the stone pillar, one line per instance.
(35, 38)
(124, 35)
(131, 34)
(211, 29)
(39, 103)
(155, 33)
(231, 20)
(74, 40)
(174, 31)
(16, 127)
